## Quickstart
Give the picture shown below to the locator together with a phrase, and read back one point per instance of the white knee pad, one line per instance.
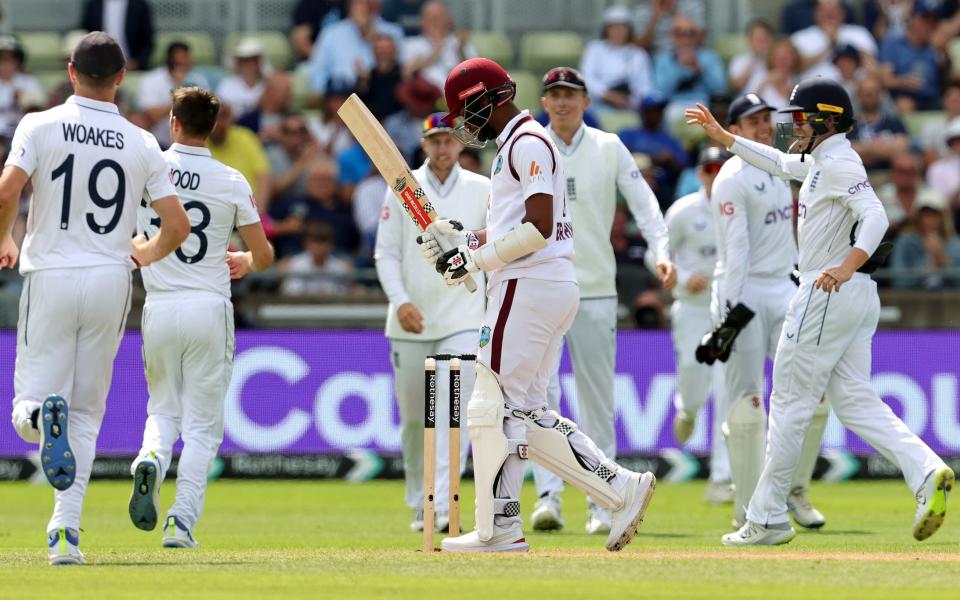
(548, 436)
(485, 413)
(22, 423)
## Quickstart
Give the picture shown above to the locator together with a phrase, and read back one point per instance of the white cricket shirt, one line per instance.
(597, 165)
(838, 208)
(693, 244)
(753, 214)
(217, 199)
(406, 277)
(528, 163)
(90, 168)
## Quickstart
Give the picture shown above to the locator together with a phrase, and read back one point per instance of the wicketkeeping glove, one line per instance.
(718, 343)
(456, 265)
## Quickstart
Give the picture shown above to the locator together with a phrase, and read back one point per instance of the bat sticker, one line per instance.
(400, 183)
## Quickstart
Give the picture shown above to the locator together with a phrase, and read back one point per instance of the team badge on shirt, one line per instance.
(484, 336)
(499, 166)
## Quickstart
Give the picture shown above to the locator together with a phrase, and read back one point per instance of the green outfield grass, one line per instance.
(265, 539)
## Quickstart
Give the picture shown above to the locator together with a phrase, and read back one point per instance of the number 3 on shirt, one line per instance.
(196, 230)
(116, 202)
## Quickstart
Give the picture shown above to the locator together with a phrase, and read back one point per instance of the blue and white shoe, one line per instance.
(63, 547)
(177, 535)
(56, 457)
(145, 497)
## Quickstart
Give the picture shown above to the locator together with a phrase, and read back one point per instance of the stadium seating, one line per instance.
(275, 44)
(615, 121)
(542, 50)
(200, 42)
(131, 87)
(495, 46)
(50, 79)
(953, 50)
(43, 49)
(528, 90)
(916, 121)
(730, 45)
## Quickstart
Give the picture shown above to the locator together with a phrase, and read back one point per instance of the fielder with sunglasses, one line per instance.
(824, 347)
(756, 251)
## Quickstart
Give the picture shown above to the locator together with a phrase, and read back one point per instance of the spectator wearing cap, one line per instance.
(376, 86)
(901, 195)
(130, 21)
(243, 89)
(748, 70)
(310, 17)
(799, 14)
(438, 48)
(783, 73)
(13, 84)
(944, 174)
(879, 134)
(419, 98)
(928, 247)
(317, 271)
(347, 46)
(654, 140)
(688, 72)
(818, 42)
(153, 94)
(238, 147)
(933, 139)
(654, 21)
(910, 65)
(617, 73)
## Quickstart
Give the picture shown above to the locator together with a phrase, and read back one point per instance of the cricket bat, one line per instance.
(388, 160)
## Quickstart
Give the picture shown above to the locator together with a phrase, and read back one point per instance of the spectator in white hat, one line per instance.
(928, 248)
(243, 89)
(617, 73)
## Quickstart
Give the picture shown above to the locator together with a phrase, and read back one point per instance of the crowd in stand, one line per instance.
(321, 199)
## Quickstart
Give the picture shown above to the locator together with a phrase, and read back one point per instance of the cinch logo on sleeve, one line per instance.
(859, 187)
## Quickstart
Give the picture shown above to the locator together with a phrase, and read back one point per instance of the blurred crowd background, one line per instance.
(283, 67)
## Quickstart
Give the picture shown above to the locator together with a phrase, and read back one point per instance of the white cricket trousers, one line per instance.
(689, 322)
(407, 359)
(528, 319)
(188, 347)
(592, 342)
(70, 325)
(825, 347)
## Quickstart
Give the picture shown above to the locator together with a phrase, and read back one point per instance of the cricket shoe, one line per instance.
(932, 502)
(719, 493)
(177, 535)
(624, 523)
(508, 539)
(546, 513)
(417, 523)
(803, 513)
(598, 519)
(754, 534)
(63, 547)
(59, 463)
(682, 427)
(145, 497)
(441, 523)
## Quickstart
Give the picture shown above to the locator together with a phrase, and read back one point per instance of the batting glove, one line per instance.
(456, 265)
(442, 235)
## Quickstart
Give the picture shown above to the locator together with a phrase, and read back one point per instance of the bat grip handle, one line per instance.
(446, 246)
